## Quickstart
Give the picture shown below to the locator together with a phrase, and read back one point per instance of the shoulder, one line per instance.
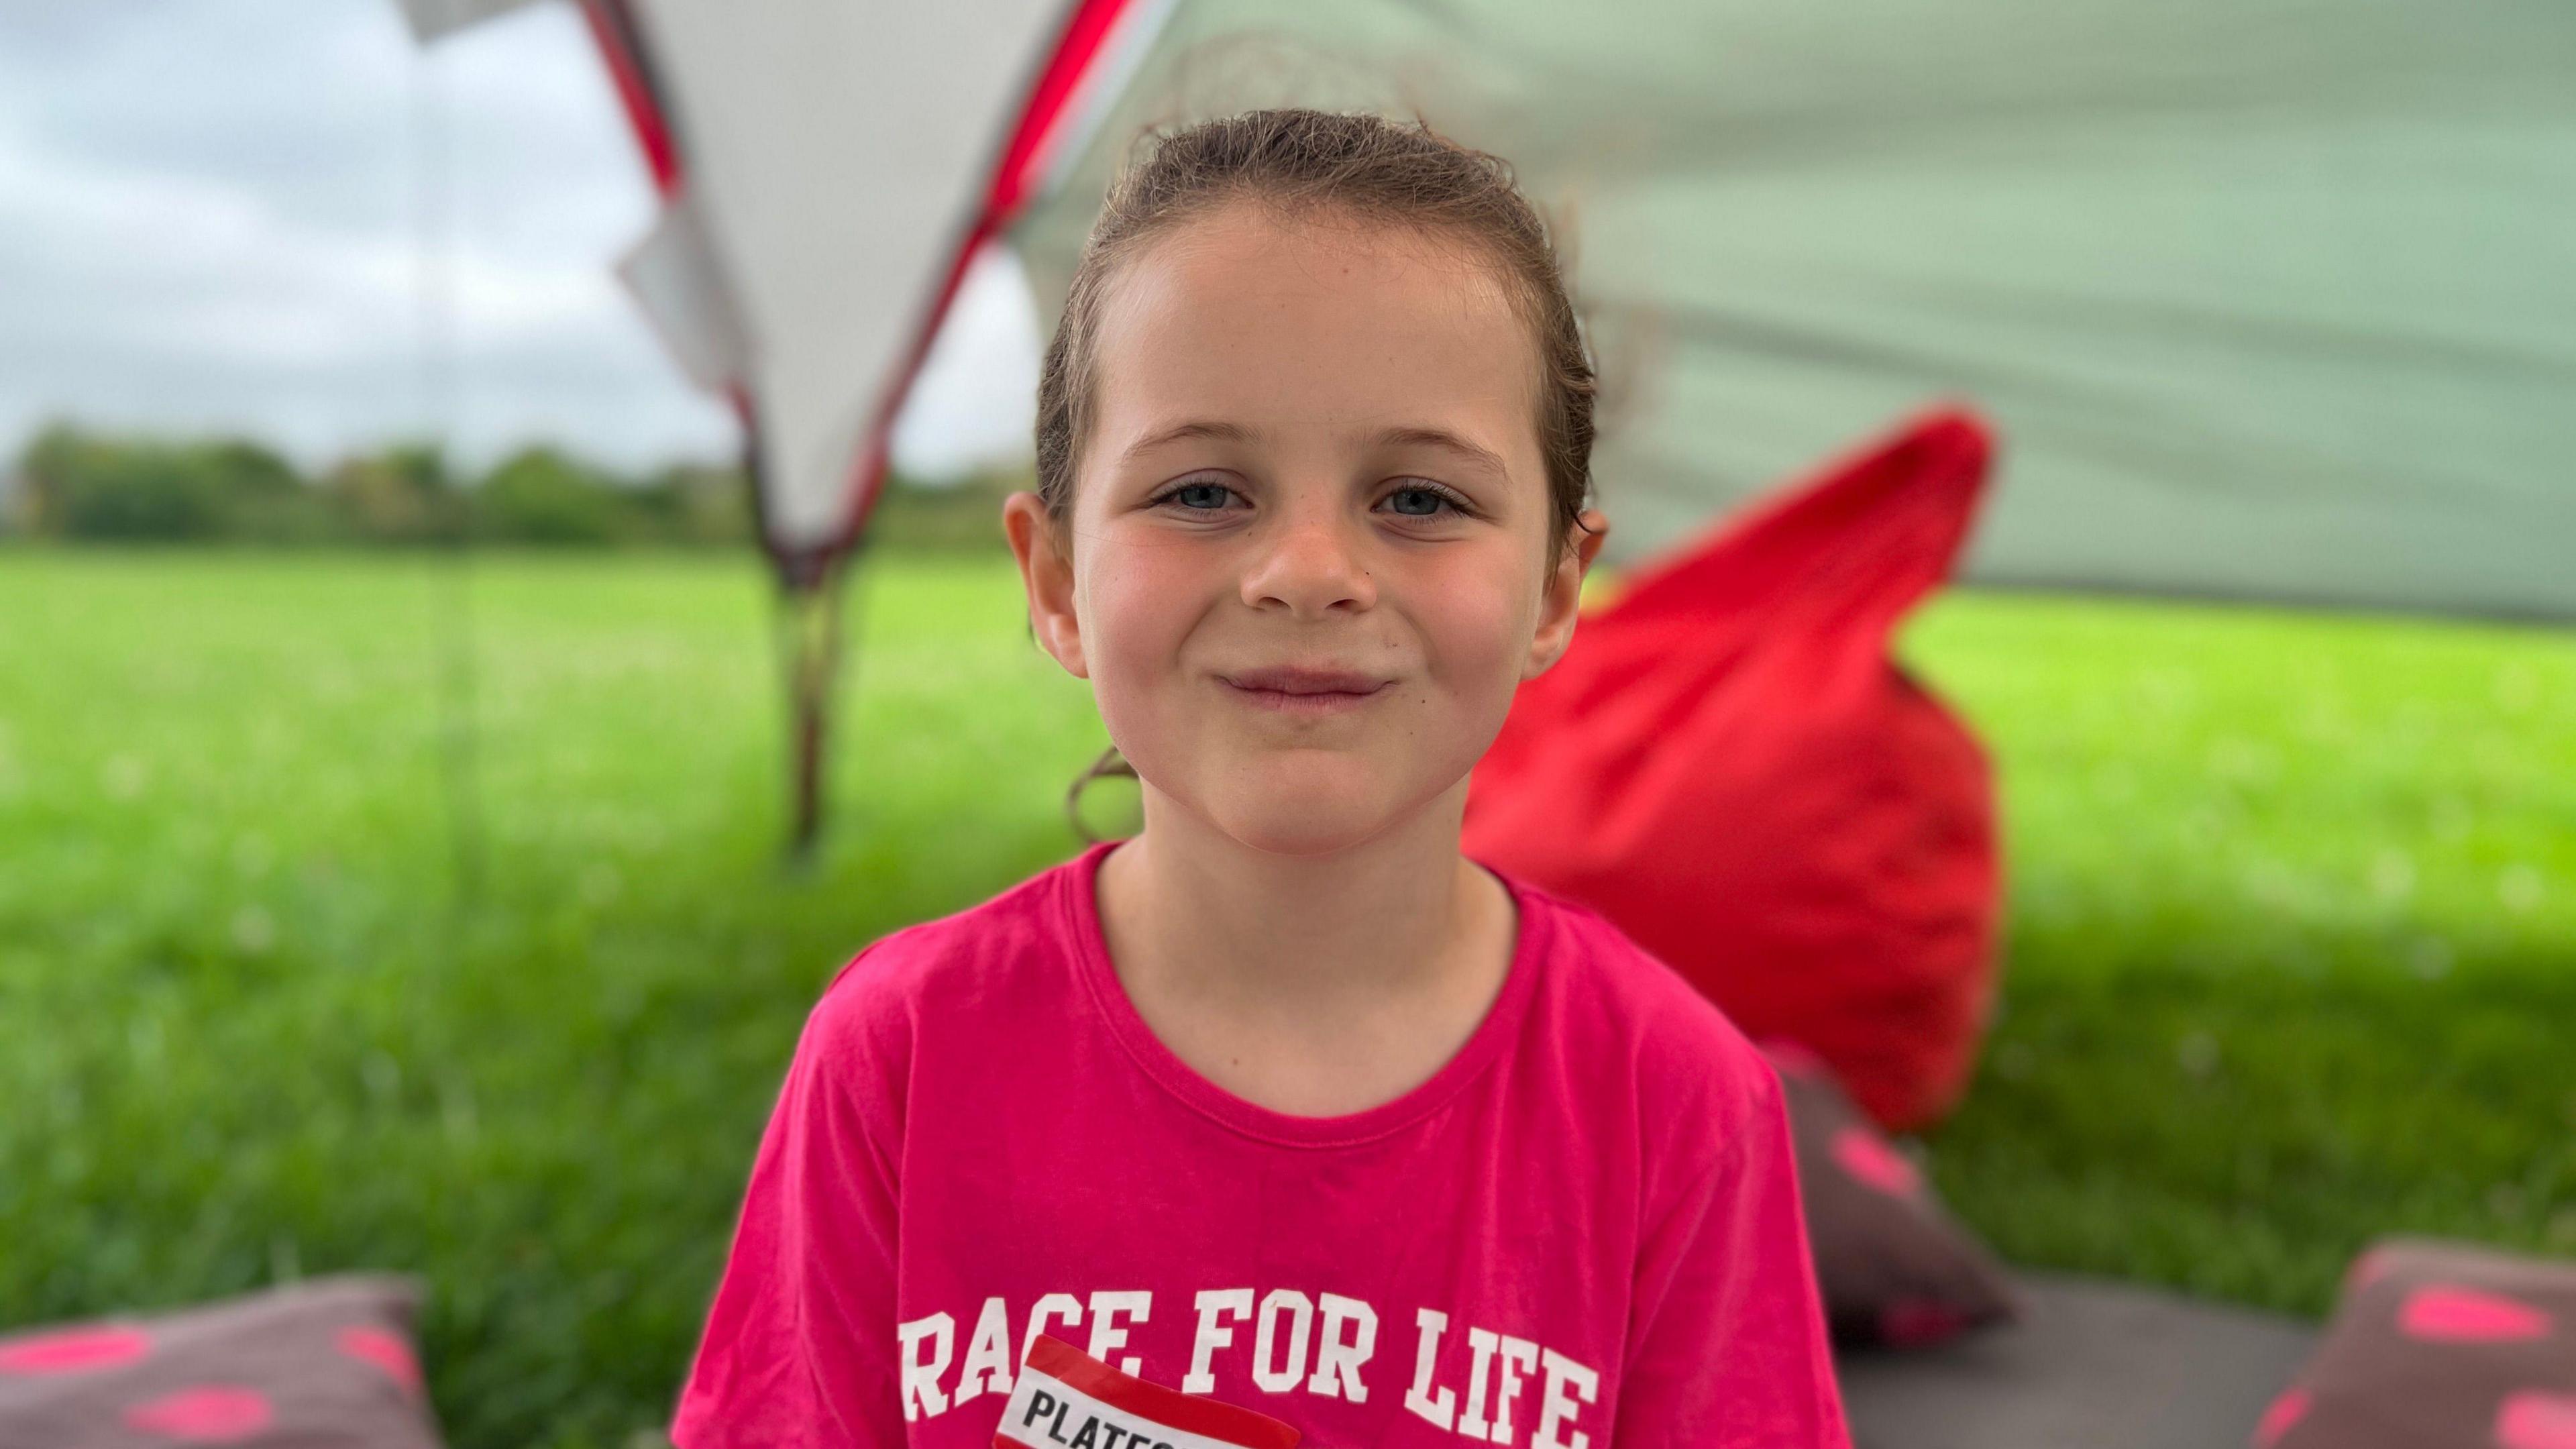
(991, 955)
(1636, 1020)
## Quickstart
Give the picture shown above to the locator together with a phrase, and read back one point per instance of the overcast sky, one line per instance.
(211, 218)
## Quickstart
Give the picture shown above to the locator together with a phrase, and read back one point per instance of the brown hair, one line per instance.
(1303, 162)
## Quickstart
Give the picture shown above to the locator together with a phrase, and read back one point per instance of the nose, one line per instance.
(1312, 559)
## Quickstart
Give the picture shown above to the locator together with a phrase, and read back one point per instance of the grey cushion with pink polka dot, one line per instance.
(2439, 1345)
(1893, 1268)
(318, 1364)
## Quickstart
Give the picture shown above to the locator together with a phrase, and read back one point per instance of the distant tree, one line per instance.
(694, 504)
(542, 495)
(399, 495)
(963, 516)
(76, 485)
(259, 495)
(93, 487)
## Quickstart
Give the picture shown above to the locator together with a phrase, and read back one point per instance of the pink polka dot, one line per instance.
(207, 1414)
(2463, 1315)
(1868, 1157)
(2286, 1410)
(386, 1351)
(1914, 1322)
(76, 1350)
(2536, 1420)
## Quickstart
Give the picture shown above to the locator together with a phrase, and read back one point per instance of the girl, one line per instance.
(1284, 1102)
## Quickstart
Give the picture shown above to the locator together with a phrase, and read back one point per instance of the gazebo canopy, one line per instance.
(2268, 298)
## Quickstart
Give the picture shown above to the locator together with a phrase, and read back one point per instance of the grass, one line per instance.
(2292, 939)
(2293, 935)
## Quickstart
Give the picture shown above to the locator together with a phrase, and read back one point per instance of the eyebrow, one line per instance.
(1217, 432)
(1475, 453)
(1396, 437)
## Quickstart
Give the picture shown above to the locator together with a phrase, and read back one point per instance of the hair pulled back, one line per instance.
(1399, 173)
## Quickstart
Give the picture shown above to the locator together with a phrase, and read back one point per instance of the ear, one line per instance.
(1564, 596)
(1047, 574)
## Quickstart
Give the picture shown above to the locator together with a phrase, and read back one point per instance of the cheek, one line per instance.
(1137, 603)
(1479, 613)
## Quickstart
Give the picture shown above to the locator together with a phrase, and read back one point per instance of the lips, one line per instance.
(1298, 681)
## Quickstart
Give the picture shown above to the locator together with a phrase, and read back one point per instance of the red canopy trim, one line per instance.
(1093, 31)
(1080, 47)
(631, 70)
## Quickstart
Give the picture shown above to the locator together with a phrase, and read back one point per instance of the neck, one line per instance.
(1191, 911)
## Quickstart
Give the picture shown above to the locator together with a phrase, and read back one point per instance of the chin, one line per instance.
(1311, 818)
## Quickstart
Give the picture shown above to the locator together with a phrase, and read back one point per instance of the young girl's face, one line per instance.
(1311, 532)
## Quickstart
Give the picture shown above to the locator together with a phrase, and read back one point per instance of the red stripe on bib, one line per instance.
(1149, 1403)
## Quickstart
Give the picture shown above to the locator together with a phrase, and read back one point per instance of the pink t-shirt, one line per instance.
(1582, 1231)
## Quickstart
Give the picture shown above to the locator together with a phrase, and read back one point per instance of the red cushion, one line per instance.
(1727, 763)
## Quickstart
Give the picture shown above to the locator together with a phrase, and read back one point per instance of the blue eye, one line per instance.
(1209, 496)
(1200, 486)
(1438, 495)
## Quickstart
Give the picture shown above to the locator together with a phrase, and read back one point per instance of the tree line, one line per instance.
(73, 485)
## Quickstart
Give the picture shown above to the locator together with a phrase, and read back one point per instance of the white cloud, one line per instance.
(974, 404)
(210, 218)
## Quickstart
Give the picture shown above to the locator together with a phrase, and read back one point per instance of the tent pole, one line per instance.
(809, 641)
(434, 288)
(810, 657)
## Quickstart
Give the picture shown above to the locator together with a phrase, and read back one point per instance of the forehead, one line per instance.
(1314, 328)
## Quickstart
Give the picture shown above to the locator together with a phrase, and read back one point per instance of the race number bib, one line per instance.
(1066, 1399)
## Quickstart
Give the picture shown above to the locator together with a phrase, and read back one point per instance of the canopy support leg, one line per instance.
(810, 659)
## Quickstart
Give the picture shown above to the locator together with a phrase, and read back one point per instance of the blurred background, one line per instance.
(395, 759)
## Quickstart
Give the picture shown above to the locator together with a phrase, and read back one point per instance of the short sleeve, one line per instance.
(1728, 1343)
(800, 1342)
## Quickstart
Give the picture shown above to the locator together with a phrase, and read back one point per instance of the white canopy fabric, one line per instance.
(827, 169)
(2268, 298)
(431, 19)
(836, 156)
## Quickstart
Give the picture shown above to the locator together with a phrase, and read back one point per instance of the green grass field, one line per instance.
(2293, 932)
